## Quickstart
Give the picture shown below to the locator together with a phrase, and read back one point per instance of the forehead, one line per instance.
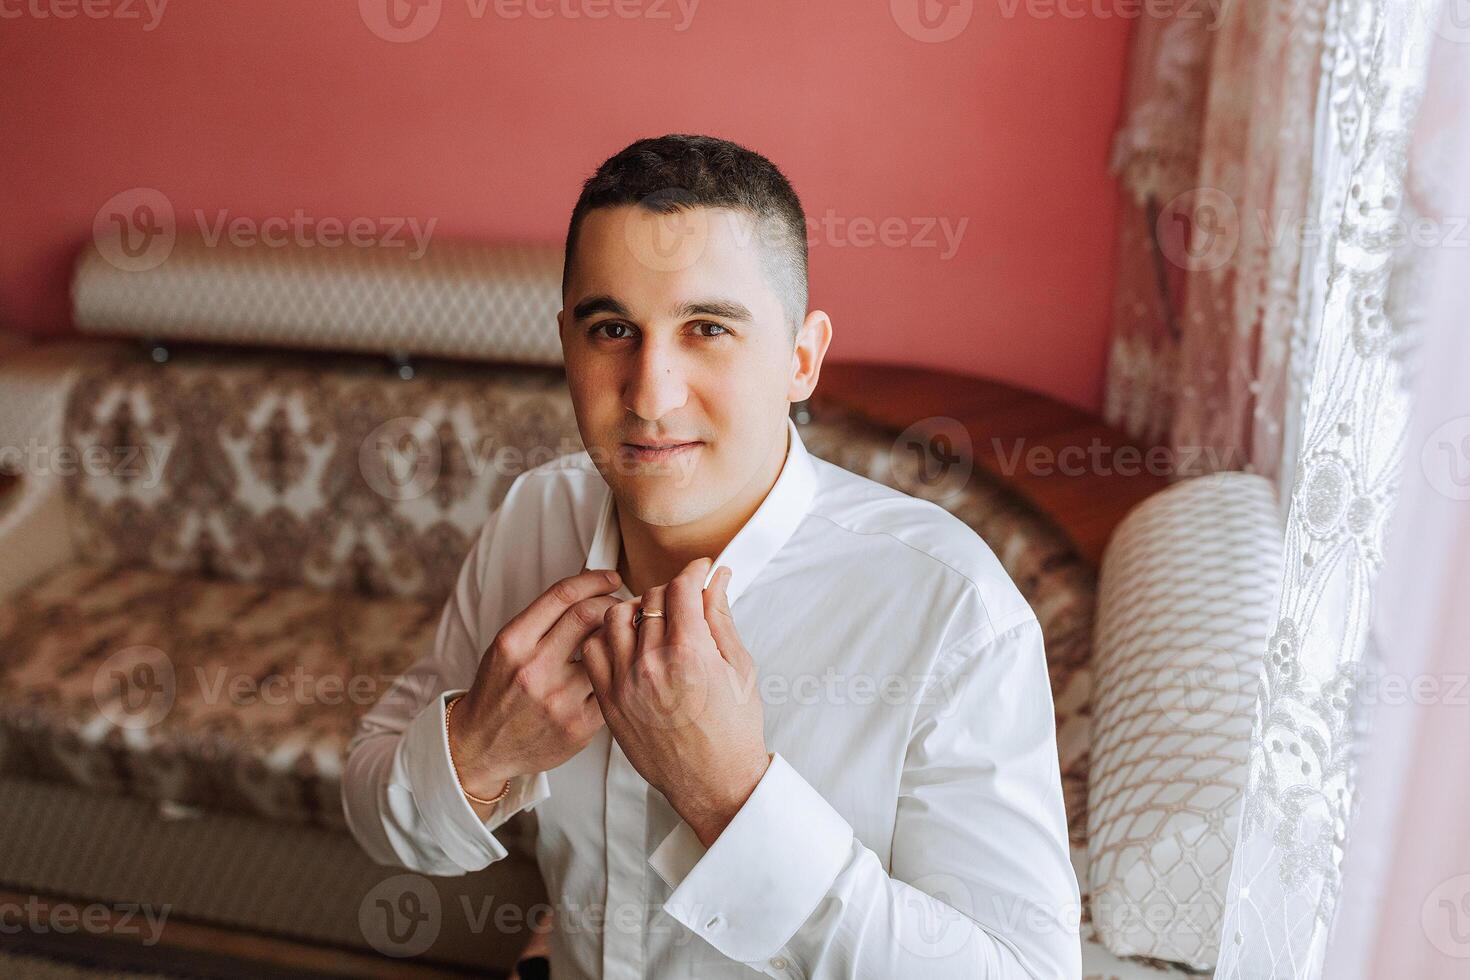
(631, 252)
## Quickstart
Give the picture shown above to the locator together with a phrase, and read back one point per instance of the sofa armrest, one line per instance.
(35, 383)
(34, 537)
(1186, 602)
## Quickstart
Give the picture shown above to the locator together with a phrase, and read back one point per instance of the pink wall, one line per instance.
(489, 123)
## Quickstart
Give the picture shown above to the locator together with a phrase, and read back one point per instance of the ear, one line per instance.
(812, 341)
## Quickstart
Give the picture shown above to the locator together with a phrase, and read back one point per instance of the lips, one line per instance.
(655, 452)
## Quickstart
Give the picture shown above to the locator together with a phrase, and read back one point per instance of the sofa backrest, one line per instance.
(302, 468)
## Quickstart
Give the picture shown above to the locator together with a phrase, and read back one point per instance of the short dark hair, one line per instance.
(676, 172)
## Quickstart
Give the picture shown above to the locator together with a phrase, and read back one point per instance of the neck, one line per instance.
(652, 554)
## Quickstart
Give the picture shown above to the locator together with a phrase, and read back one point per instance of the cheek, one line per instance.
(739, 398)
(594, 391)
(755, 375)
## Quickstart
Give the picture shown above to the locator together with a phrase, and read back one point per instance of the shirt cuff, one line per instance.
(752, 889)
(429, 774)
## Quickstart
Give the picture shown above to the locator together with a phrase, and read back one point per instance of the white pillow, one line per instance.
(1186, 599)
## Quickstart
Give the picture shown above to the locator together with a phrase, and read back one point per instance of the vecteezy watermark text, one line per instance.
(39, 916)
(406, 21)
(148, 12)
(137, 229)
(1100, 459)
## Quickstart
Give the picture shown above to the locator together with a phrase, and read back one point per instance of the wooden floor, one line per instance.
(1082, 473)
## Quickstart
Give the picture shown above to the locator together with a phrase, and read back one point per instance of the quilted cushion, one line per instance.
(1189, 586)
(479, 301)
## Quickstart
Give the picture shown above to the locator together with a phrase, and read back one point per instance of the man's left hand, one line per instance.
(678, 692)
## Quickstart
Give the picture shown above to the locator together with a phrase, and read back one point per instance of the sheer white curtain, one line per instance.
(1265, 306)
(1341, 481)
(1405, 908)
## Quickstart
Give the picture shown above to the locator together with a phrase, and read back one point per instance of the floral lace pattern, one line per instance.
(1280, 351)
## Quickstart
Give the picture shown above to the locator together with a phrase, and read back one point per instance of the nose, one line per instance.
(658, 384)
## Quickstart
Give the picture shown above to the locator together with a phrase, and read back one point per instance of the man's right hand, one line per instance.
(530, 707)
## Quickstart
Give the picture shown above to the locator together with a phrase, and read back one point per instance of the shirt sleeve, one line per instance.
(402, 800)
(981, 883)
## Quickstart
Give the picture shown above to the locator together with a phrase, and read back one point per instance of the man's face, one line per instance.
(674, 336)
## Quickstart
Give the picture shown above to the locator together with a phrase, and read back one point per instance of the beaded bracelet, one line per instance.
(502, 794)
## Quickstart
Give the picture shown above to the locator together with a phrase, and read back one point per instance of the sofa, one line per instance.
(241, 503)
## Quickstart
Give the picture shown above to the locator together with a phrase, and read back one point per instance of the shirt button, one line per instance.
(779, 962)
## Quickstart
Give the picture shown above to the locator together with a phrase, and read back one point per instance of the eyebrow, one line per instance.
(725, 309)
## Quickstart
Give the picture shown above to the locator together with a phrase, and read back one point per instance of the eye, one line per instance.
(608, 328)
(720, 328)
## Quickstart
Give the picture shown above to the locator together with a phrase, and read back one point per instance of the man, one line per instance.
(773, 717)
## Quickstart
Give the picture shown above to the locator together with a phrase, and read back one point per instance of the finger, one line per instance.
(621, 637)
(721, 622)
(575, 625)
(651, 630)
(684, 603)
(597, 662)
(533, 622)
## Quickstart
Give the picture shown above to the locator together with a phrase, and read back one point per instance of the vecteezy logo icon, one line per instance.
(401, 459)
(135, 687)
(933, 458)
(1199, 230)
(683, 694)
(939, 448)
(400, 916)
(1445, 458)
(932, 21)
(135, 230)
(940, 916)
(1203, 687)
(400, 21)
(667, 232)
(1445, 917)
(1452, 20)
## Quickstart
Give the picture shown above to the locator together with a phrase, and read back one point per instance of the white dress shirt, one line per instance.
(911, 822)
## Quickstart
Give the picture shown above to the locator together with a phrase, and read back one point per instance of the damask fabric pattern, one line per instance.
(232, 696)
(255, 559)
(1189, 584)
(303, 469)
(468, 300)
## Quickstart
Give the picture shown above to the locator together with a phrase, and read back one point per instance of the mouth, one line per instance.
(656, 453)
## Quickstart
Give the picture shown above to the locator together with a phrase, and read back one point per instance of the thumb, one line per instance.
(722, 622)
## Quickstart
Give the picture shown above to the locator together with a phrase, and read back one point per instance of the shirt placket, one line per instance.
(624, 822)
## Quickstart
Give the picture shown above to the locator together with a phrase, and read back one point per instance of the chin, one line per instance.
(661, 501)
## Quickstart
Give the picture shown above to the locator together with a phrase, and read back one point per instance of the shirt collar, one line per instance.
(755, 544)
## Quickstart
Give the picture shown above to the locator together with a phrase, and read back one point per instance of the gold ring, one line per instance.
(641, 615)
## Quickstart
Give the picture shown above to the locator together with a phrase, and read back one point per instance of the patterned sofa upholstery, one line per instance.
(266, 538)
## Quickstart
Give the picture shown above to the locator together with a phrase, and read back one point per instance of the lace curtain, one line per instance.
(1262, 317)
(1407, 874)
